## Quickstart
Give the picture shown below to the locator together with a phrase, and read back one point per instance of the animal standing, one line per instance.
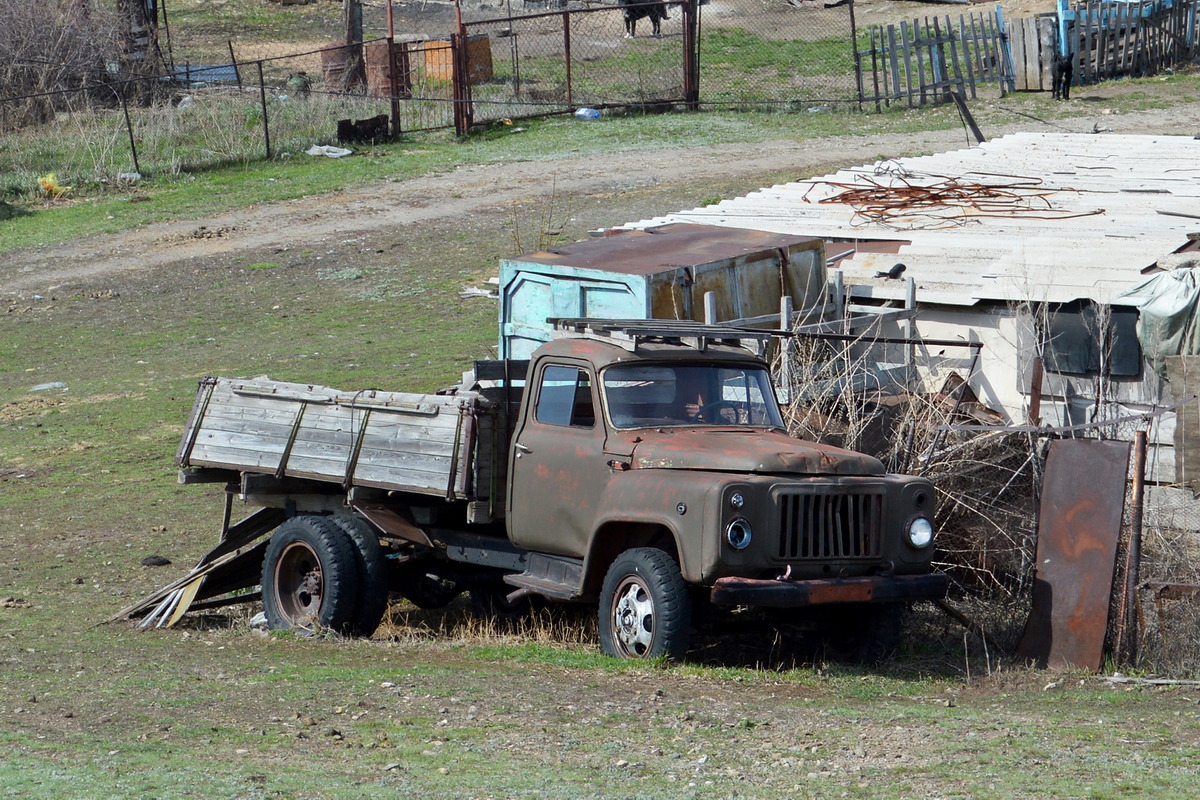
(1061, 70)
(634, 10)
(363, 131)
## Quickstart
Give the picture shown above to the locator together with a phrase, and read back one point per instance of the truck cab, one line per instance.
(639, 438)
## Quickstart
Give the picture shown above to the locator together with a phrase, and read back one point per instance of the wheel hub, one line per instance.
(633, 618)
(300, 584)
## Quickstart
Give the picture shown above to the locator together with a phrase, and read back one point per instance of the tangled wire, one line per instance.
(901, 199)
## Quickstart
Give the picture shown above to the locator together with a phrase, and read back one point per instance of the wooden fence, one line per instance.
(1033, 40)
(1111, 39)
(1106, 40)
(924, 61)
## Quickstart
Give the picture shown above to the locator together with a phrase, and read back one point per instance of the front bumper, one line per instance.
(828, 591)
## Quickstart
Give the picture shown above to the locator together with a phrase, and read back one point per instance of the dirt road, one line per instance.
(608, 191)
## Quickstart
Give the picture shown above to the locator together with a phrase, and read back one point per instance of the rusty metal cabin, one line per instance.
(660, 272)
(1027, 244)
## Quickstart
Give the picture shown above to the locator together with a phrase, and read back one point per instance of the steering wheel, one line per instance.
(710, 413)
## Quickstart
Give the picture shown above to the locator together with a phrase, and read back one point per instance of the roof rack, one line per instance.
(629, 333)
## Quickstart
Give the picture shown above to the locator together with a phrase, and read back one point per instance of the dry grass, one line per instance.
(553, 625)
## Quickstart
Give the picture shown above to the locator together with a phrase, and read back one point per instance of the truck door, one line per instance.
(557, 467)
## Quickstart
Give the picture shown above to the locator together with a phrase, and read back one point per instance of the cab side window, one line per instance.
(565, 398)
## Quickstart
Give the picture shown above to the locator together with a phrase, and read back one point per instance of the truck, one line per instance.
(642, 466)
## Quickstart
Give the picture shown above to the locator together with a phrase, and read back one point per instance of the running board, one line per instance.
(557, 577)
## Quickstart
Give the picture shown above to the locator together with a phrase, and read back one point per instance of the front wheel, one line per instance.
(645, 609)
(309, 579)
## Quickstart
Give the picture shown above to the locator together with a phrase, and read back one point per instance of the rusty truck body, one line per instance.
(641, 466)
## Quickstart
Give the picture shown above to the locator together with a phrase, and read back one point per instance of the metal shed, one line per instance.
(661, 272)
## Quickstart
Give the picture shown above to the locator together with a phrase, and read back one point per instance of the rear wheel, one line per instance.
(372, 573)
(645, 609)
(309, 579)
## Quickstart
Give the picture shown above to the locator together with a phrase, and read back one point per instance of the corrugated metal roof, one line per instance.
(661, 249)
(1081, 216)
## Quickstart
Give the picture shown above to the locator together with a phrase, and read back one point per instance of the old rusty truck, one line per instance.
(642, 466)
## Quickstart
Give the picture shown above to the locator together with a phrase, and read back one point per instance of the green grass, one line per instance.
(94, 207)
(88, 489)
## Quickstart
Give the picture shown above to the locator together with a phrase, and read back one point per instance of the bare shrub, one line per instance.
(1170, 558)
(50, 48)
(892, 402)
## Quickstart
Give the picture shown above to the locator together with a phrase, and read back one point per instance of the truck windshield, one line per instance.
(653, 395)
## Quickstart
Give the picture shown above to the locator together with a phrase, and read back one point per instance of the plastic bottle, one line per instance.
(587, 113)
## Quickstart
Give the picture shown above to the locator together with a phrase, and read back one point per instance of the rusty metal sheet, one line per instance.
(1079, 525)
(663, 248)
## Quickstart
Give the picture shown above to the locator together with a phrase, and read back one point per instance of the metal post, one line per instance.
(567, 53)
(858, 78)
(691, 53)
(786, 312)
(1035, 392)
(262, 99)
(460, 80)
(839, 297)
(393, 78)
(237, 73)
(1133, 558)
(710, 308)
(129, 127)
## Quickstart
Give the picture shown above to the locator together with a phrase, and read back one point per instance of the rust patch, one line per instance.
(840, 593)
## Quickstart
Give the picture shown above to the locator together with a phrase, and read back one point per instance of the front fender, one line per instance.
(681, 502)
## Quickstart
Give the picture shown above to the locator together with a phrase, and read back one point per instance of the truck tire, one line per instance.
(309, 580)
(868, 635)
(645, 609)
(372, 573)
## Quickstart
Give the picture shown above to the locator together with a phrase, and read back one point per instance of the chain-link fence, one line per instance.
(151, 88)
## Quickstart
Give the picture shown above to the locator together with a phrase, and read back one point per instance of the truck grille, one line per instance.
(830, 526)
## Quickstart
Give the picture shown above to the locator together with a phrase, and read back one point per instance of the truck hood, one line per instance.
(746, 450)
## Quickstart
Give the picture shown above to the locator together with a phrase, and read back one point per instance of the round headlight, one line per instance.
(920, 532)
(738, 534)
(736, 500)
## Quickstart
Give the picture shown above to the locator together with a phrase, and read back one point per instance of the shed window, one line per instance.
(1077, 334)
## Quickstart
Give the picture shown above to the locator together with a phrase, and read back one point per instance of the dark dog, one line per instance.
(363, 131)
(1061, 70)
(637, 9)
